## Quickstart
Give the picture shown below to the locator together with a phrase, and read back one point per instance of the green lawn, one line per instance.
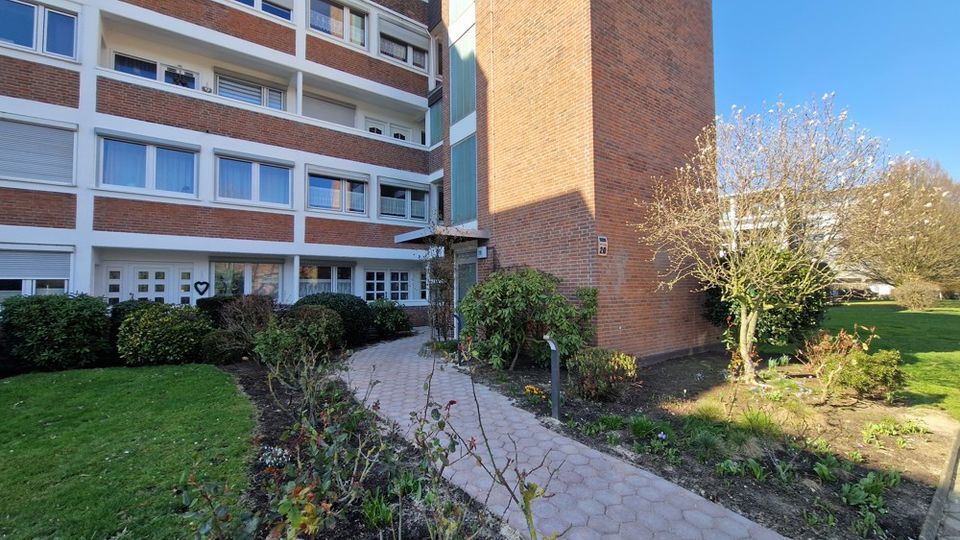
(928, 340)
(99, 453)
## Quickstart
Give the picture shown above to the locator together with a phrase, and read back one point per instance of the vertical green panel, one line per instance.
(463, 77)
(463, 180)
(436, 123)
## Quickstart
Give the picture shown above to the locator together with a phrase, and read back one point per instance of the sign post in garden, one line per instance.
(554, 376)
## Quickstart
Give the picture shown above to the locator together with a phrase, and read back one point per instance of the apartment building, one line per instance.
(174, 149)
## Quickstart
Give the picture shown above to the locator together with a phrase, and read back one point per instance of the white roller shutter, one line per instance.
(418, 40)
(34, 265)
(35, 152)
(331, 111)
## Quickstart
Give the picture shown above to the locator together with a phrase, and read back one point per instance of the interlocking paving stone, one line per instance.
(594, 495)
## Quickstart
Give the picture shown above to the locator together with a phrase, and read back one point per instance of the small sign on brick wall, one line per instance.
(602, 246)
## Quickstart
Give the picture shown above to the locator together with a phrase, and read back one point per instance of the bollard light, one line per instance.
(554, 376)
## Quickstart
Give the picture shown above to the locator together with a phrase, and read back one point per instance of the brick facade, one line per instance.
(350, 233)
(435, 159)
(343, 58)
(39, 82)
(127, 99)
(29, 208)
(419, 315)
(415, 9)
(226, 19)
(145, 217)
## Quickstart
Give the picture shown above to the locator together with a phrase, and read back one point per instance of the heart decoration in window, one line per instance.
(201, 287)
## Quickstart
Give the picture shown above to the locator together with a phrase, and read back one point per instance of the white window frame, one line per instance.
(28, 286)
(264, 91)
(161, 70)
(388, 293)
(408, 205)
(255, 181)
(410, 50)
(369, 123)
(424, 291)
(335, 280)
(40, 31)
(348, 11)
(345, 179)
(399, 292)
(150, 183)
(258, 5)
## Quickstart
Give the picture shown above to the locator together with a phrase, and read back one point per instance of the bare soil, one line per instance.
(672, 389)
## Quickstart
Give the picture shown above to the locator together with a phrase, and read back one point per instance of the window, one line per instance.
(239, 278)
(402, 202)
(332, 193)
(251, 181)
(393, 285)
(35, 152)
(435, 118)
(33, 272)
(149, 69)
(330, 110)
(463, 180)
(399, 132)
(424, 287)
(145, 166)
(250, 92)
(278, 8)
(328, 17)
(439, 197)
(27, 287)
(403, 45)
(375, 126)
(463, 77)
(395, 131)
(325, 278)
(39, 28)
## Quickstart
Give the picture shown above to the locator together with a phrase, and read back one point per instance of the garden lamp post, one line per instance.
(554, 376)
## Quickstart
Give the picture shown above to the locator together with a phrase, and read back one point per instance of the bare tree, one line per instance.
(908, 228)
(763, 196)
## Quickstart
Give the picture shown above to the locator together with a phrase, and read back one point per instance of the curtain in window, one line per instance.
(358, 32)
(60, 33)
(463, 180)
(228, 278)
(315, 279)
(326, 17)
(235, 179)
(124, 164)
(358, 197)
(463, 77)
(16, 23)
(175, 170)
(265, 280)
(344, 280)
(274, 184)
(324, 192)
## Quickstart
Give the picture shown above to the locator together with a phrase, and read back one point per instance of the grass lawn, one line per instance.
(99, 453)
(928, 340)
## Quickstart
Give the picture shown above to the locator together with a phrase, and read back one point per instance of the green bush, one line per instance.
(56, 332)
(162, 334)
(354, 312)
(222, 347)
(213, 306)
(389, 318)
(601, 374)
(119, 312)
(793, 317)
(509, 313)
(917, 295)
(319, 328)
(876, 376)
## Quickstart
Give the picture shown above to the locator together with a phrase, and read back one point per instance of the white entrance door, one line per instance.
(166, 283)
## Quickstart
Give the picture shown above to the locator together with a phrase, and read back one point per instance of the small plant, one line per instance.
(535, 393)
(889, 427)
(760, 423)
(756, 469)
(705, 444)
(214, 512)
(614, 438)
(612, 422)
(728, 467)
(600, 374)
(673, 456)
(377, 512)
(824, 472)
(389, 318)
(819, 446)
(785, 471)
(855, 456)
(866, 525)
(644, 427)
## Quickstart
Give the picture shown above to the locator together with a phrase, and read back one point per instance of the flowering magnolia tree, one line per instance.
(763, 197)
(908, 228)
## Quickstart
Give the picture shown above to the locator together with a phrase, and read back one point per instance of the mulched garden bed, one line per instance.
(273, 422)
(796, 509)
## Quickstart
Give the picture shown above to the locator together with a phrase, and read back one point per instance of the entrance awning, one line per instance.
(428, 234)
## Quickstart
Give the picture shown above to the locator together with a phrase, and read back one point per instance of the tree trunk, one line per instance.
(748, 329)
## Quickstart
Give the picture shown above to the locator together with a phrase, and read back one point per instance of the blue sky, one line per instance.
(894, 64)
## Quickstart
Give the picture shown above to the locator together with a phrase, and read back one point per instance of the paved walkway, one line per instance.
(950, 526)
(595, 495)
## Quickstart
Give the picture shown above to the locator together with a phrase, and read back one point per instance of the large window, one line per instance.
(239, 278)
(36, 152)
(149, 69)
(328, 192)
(463, 77)
(341, 22)
(244, 180)
(250, 92)
(39, 28)
(404, 44)
(393, 285)
(278, 8)
(404, 202)
(131, 164)
(319, 278)
(463, 180)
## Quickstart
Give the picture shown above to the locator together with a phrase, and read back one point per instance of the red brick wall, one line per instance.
(415, 9)
(351, 233)
(39, 82)
(652, 93)
(435, 160)
(419, 315)
(232, 21)
(30, 208)
(354, 62)
(125, 215)
(126, 99)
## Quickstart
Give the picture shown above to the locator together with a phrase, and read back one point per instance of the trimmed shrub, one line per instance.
(319, 328)
(354, 312)
(162, 334)
(875, 376)
(213, 306)
(119, 312)
(389, 318)
(917, 295)
(56, 332)
(601, 374)
(510, 312)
